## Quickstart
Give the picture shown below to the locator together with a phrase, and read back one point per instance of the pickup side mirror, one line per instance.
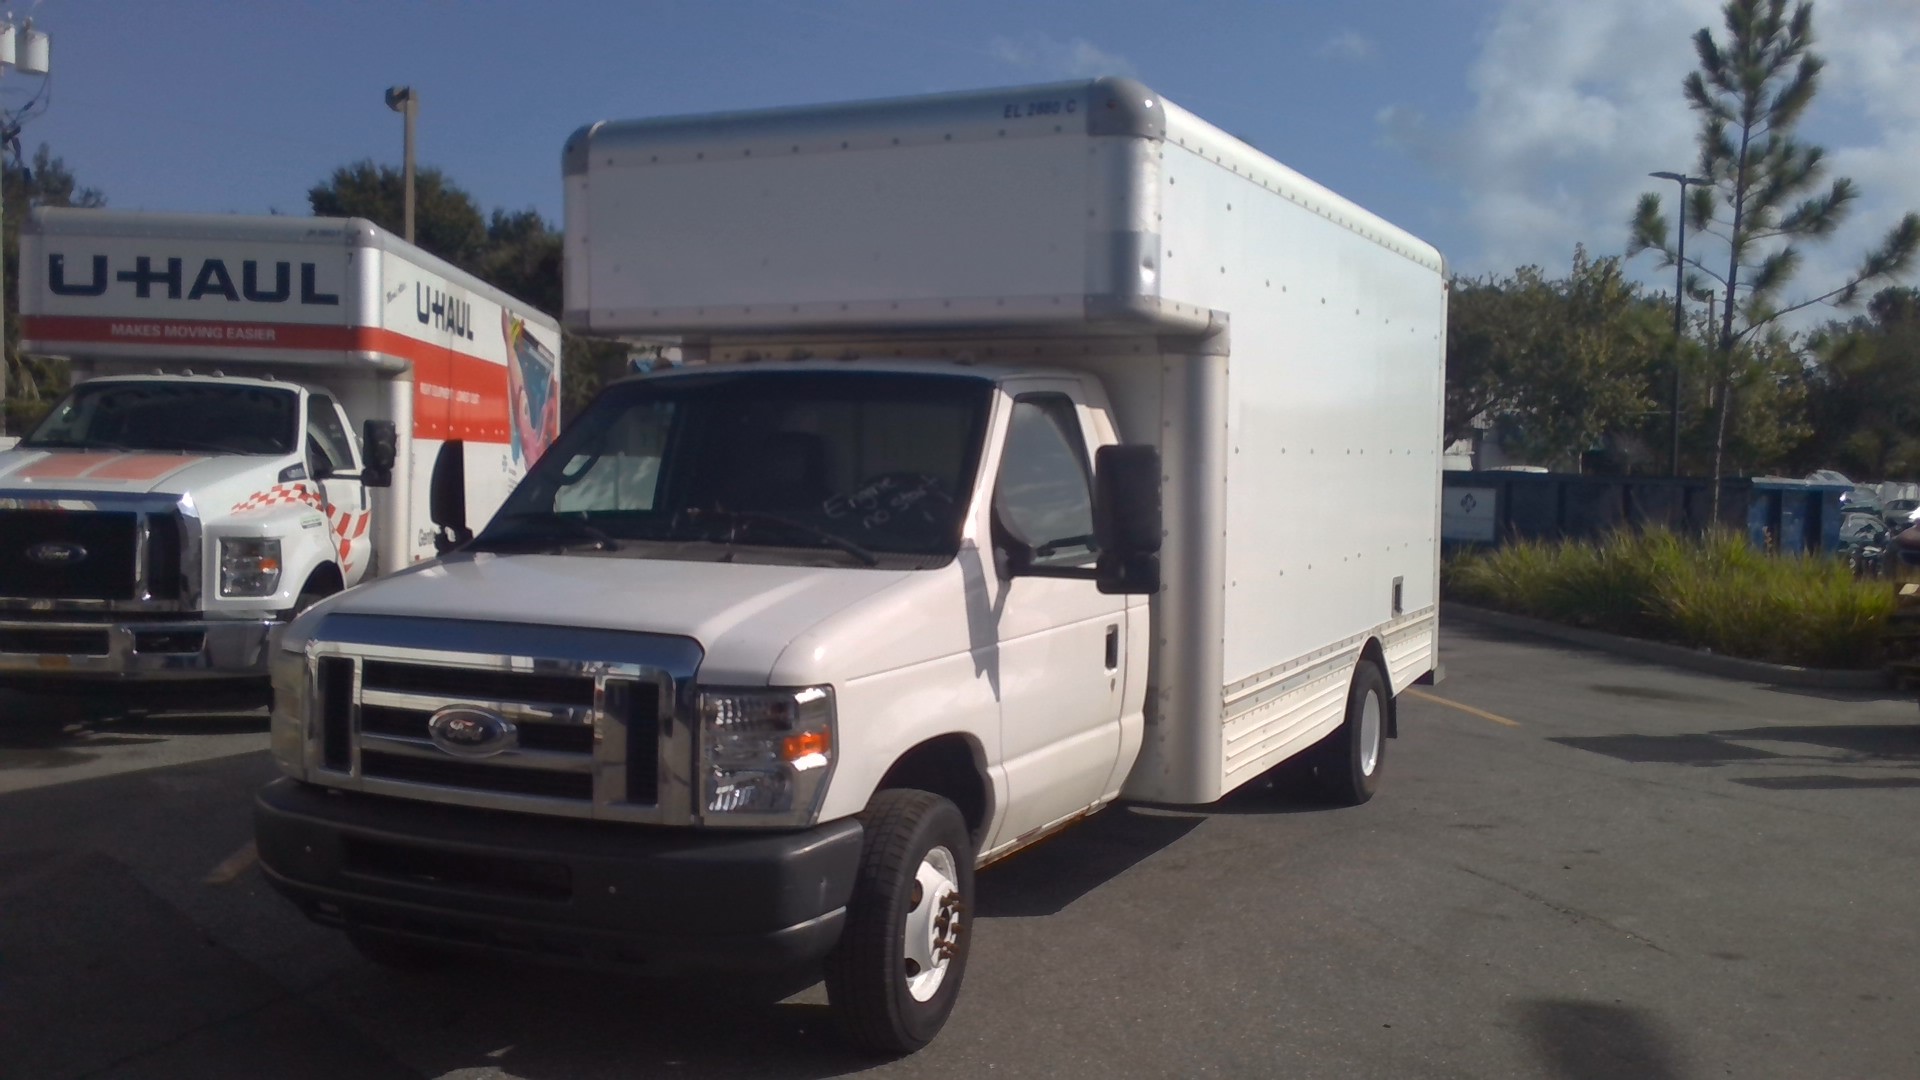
(447, 497)
(1127, 523)
(379, 444)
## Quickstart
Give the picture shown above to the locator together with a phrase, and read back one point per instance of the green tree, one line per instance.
(1760, 202)
(30, 383)
(447, 221)
(1864, 391)
(1556, 365)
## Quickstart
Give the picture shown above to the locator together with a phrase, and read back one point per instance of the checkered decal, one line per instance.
(349, 526)
(280, 495)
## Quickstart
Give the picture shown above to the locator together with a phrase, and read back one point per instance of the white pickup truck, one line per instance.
(263, 411)
(1036, 449)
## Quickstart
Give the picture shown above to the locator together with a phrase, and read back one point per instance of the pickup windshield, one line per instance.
(176, 415)
(858, 466)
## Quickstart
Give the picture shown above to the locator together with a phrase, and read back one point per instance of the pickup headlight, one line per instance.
(291, 693)
(765, 755)
(249, 566)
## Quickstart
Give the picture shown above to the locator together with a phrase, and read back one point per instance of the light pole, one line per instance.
(1679, 310)
(403, 100)
(26, 51)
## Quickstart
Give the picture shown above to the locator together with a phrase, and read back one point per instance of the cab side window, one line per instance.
(1043, 498)
(329, 449)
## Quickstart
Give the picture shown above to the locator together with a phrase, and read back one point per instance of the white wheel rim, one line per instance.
(933, 924)
(1370, 734)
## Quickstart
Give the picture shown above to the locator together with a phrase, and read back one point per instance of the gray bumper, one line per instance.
(175, 649)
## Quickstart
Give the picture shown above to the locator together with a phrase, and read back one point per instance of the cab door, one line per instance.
(333, 462)
(1061, 642)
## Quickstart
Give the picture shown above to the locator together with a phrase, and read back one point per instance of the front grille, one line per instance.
(164, 571)
(477, 776)
(412, 724)
(59, 642)
(169, 641)
(468, 684)
(100, 547)
(375, 717)
(335, 689)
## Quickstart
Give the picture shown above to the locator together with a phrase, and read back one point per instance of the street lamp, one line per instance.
(403, 100)
(1679, 310)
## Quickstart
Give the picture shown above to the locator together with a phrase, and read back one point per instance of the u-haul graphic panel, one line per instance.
(394, 332)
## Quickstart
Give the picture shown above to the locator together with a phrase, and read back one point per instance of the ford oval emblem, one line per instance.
(57, 553)
(470, 731)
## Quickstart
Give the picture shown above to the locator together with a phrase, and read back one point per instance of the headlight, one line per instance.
(249, 566)
(291, 689)
(765, 755)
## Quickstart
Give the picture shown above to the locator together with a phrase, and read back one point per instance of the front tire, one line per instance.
(894, 976)
(1348, 764)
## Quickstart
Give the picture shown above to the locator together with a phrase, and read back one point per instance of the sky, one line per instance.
(1505, 132)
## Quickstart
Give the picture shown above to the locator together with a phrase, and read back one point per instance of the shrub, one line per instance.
(1717, 593)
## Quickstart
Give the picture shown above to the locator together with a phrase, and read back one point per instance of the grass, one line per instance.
(1716, 593)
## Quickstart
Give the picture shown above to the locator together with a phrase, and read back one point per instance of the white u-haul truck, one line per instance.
(263, 410)
(1037, 448)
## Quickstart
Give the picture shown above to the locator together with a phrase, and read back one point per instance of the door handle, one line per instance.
(1113, 648)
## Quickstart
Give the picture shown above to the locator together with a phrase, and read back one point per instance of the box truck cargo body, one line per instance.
(1033, 449)
(209, 472)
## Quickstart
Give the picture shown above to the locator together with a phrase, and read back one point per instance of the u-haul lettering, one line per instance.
(168, 277)
(443, 311)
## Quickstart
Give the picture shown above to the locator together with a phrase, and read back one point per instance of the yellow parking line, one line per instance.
(234, 865)
(1468, 709)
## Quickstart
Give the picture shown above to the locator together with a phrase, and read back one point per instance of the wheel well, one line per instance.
(953, 767)
(324, 581)
(1374, 653)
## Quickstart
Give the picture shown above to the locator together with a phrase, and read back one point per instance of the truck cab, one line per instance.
(160, 525)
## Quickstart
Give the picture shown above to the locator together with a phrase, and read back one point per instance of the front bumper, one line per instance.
(172, 649)
(655, 900)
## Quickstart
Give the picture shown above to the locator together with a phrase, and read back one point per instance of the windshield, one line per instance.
(860, 465)
(172, 415)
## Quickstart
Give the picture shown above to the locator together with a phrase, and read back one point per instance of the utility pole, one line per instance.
(403, 100)
(1679, 309)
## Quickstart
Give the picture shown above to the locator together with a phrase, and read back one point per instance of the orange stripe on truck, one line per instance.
(456, 395)
(143, 467)
(63, 466)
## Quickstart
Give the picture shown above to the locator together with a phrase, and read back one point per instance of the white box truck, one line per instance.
(1035, 449)
(261, 410)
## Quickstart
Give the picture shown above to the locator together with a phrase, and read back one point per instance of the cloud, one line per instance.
(1575, 102)
(1349, 45)
(1048, 57)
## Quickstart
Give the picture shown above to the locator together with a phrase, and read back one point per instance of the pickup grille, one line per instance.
(374, 716)
(102, 547)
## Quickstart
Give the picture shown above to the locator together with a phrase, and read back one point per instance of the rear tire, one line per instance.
(1348, 764)
(894, 976)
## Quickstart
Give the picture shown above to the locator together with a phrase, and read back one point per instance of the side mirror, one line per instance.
(447, 497)
(1126, 519)
(379, 444)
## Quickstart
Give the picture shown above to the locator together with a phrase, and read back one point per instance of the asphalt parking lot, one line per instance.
(1580, 867)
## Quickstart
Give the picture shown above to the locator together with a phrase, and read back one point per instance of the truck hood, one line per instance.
(138, 473)
(743, 615)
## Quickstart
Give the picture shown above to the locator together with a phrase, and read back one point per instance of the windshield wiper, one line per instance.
(530, 531)
(187, 446)
(72, 444)
(761, 517)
